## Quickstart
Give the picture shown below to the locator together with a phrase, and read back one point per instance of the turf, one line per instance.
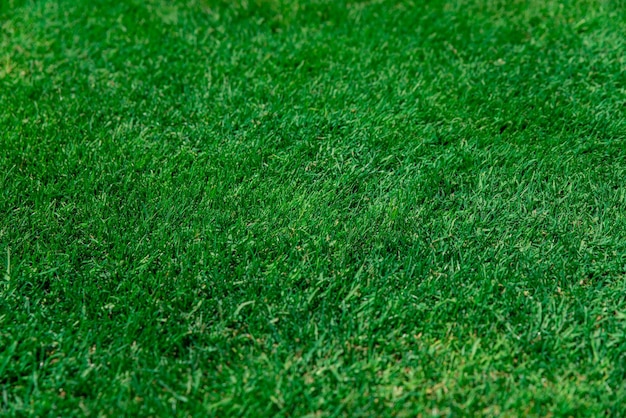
(313, 207)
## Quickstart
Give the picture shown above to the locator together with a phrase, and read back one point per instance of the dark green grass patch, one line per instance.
(312, 208)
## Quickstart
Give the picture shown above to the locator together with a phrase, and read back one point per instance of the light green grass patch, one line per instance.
(312, 208)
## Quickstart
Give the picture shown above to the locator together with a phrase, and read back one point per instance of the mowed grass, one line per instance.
(320, 208)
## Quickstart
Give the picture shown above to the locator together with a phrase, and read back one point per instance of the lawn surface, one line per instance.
(276, 207)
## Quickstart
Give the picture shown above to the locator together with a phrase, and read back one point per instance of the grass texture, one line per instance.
(312, 208)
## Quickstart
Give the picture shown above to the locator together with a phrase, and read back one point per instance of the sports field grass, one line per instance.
(321, 208)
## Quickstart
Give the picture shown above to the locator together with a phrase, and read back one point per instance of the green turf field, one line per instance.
(312, 208)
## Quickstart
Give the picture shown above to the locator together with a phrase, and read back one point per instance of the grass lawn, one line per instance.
(313, 207)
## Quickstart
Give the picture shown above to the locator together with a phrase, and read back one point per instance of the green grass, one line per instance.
(314, 207)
